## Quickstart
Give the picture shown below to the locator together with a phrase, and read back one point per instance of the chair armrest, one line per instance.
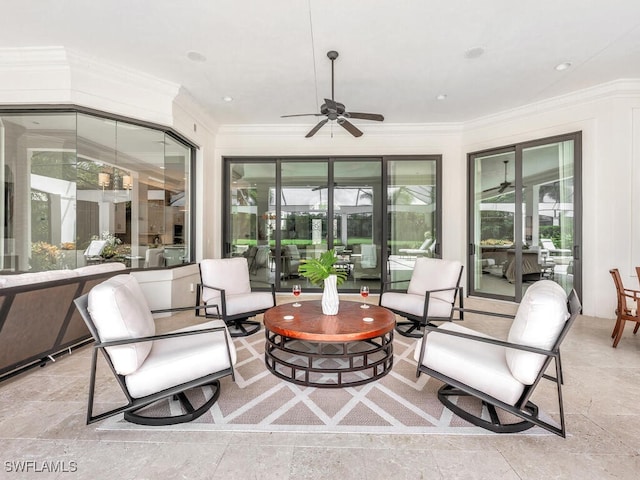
(482, 312)
(184, 309)
(390, 282)
(128, 341)
(443, 289)
(493, 341)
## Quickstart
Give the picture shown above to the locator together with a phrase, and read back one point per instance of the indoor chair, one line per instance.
(94, 251)
(502, 375)
(431, 295)
(627, 309)
(154, 257)
(148, 366)
(291, 261)
(225, 290)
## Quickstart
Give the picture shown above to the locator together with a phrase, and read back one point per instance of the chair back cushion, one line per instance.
(95, 248)
(540, 318)
(120, 311)
(435, 273)
(230, 274)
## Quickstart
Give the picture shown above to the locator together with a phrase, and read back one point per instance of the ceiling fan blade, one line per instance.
(332, 105)
(366, 116)
(313, 131)
(350, 127)
(303, 115)
(490, 189)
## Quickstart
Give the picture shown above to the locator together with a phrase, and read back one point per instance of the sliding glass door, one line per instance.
(281, 211)
(525, 217)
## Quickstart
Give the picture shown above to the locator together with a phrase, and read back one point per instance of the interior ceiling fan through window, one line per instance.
(333, 110)
(504, 185)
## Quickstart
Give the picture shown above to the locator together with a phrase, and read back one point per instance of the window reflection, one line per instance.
(71, 178)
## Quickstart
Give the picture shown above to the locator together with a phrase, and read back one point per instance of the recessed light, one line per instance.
(474, 52)
(563, 66)
(442, 96)
(196, 56)
(227, 98)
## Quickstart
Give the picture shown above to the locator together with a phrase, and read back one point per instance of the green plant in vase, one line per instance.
(316, 270)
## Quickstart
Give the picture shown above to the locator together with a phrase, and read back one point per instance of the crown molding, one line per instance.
(378, 130)
(621, 88)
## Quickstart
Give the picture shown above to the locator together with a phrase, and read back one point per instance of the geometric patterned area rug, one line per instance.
(258, 401)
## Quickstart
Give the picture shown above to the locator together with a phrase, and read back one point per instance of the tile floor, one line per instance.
(42, 426)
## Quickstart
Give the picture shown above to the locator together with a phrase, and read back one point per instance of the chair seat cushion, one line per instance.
(414, 304)
(244, 302)
(479, 365)
(182, 359)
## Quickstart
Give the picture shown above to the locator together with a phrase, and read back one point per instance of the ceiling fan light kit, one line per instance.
(336, 111)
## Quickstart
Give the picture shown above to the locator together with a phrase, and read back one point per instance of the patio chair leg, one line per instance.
(409, 329)
(618, 334)
(242, 327)
(494, 424)
(190, 413)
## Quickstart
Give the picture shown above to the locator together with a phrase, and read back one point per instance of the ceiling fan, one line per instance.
(504, 185)
(336, 111)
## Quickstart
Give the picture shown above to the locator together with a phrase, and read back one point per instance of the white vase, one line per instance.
(330, 299)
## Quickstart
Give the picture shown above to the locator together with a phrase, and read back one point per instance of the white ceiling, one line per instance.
(396, 56)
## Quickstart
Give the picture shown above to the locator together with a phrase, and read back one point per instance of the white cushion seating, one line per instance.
(496, 370)
(414, 304)
(120, 311)
(232, 275)
(36, 277)
(181, 359)
(31, 278)
(428, 274)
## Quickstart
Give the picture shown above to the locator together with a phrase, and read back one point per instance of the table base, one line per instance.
(328, 364)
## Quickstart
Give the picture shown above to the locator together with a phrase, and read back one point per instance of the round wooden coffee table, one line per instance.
(351, 348)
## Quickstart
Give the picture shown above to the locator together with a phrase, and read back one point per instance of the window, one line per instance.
(71, 177)
(283, 211)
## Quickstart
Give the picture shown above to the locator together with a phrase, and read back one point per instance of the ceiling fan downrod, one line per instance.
(332, 54)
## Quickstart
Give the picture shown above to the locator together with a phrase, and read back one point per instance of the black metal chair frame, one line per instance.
(524, 408)
(414, 326)
(135, 404)
(239, 325)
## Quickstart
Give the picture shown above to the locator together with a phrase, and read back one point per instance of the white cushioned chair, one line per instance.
(93, 252)
(431, 295)
(226, 292)
(150, 367)
(502, 374)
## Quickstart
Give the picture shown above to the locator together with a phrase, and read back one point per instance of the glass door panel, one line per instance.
(524, 223)
(252, 221)
(357, 222)
(412, 214)
(548, 213)
(304, 203)
(494, 233)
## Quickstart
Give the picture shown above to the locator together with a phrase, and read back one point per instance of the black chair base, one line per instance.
(242, 327)
(410, 329)
(190, 414)
(495, 425)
